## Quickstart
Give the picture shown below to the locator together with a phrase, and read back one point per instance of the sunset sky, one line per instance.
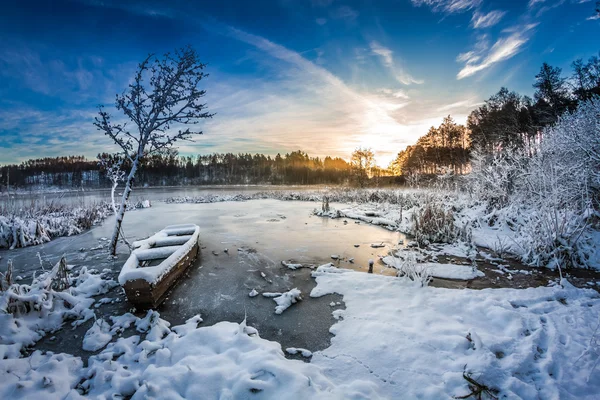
(324, 76)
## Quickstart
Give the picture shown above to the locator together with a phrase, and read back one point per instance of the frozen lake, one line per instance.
(153, 194)
(258, 235)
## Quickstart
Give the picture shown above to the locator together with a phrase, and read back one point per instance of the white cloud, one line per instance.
(593, 17)
(504, 49)
(448, 6)
(480, 20)
(386, 56)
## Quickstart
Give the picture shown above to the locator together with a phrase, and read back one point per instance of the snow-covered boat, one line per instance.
(155, 264)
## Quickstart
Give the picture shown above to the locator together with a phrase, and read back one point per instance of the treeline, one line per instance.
(506, 121)
(444, 147)
(171, 169)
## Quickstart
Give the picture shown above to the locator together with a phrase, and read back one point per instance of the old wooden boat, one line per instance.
(156, 263)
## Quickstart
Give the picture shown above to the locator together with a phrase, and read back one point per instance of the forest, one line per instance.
(168, 168)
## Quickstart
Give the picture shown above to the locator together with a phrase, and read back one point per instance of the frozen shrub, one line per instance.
(409, 268)
(433, 224)
(40, 223)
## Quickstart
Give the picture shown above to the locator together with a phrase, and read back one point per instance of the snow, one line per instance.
(144, 251)
(226, 361)
(413, 342)
(271, 294)
(444, 271)
(28, 312)
(291, 265)
(285, 300)
(29, 227)
(253, 293)
(293, 350)
(97, 336)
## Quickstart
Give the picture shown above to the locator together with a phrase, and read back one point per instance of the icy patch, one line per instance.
(253, 293)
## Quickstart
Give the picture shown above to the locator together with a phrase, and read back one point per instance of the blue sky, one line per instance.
(324, 76)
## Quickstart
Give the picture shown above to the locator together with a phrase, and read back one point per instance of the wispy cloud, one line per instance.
(398, 94)
(481, 20)
(387, 59)
(448, 6)
(504, 49)
(532, 3)
(463, 104)
(345, 13)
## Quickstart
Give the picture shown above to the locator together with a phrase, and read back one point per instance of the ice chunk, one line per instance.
(286, 300)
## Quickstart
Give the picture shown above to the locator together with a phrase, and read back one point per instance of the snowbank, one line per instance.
(437, 270)
(417, 342)
(224, 361)
(28, 312)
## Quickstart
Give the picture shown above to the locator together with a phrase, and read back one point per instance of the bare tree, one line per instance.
(164, 94)
(113, 171)
(362, 162)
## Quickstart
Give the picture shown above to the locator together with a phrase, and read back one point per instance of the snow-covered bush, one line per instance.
(434, 224)
(408, 267)
(550, 193)
(38, 224)
(493, 177)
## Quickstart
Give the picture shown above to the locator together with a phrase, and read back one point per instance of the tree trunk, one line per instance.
(121, 214)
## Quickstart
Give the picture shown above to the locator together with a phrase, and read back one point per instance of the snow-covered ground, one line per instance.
(417, 342)
(395, 339)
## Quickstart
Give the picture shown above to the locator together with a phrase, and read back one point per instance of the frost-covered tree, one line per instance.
(550, 197)
(114, 173)
(164, 96)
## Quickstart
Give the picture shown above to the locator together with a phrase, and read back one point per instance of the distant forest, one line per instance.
(171, 169)
(506, 120)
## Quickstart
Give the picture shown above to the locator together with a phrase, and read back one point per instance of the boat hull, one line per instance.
(144, 295)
